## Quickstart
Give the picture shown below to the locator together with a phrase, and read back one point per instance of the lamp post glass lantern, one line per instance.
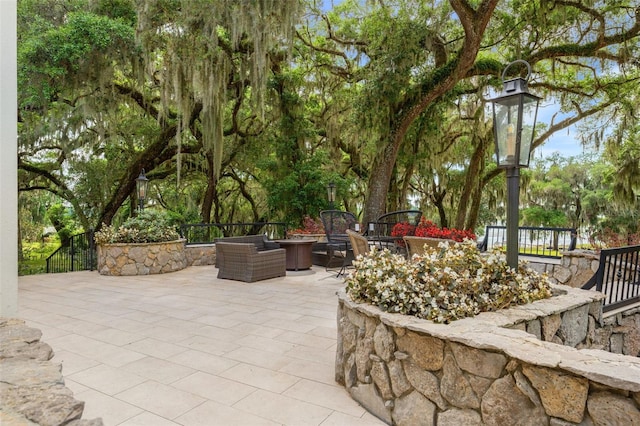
(142, 183)
(331, 194)
(515, 112)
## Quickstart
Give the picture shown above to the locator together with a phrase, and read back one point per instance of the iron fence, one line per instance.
(78, 254)
(533, 241)
(617, 277)
(203, 233)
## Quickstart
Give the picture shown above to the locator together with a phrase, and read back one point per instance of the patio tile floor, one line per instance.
(188, 349)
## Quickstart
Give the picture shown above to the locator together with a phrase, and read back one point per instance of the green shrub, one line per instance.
(443, 284)
(149, 226)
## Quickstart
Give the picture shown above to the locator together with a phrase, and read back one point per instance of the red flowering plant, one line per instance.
(401, 229)
(427, 228)
(309, 226)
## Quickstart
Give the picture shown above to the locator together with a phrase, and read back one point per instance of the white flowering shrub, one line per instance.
(149, 226)
(443, 284)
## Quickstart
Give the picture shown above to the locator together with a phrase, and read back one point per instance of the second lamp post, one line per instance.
(331, 194)
(142, 183)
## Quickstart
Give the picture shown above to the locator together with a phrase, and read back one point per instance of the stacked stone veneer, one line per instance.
(200, 254)
(498, 368)
(32, 390)
(575, 268)
(142, 258)
(617, 332)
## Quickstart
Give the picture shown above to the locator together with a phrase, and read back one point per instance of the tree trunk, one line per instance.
(155, 154)
(20, 253)
(445, 77)
(209, 194)
(471, 183)
(375, 204)
(438, 200)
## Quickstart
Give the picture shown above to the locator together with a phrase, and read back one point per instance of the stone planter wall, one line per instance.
(616, 332)
(575, 269)
(200, 254)
(486, 370)
(141, 259)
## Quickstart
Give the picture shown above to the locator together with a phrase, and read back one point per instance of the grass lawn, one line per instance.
(35, 256)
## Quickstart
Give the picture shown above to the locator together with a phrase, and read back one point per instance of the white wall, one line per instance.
(8, 162)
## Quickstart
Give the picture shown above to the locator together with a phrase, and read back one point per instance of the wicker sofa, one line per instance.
(250, 258)
(260, 241)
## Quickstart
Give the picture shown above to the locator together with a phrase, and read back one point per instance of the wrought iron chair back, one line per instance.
(336, 223)
(383, 226)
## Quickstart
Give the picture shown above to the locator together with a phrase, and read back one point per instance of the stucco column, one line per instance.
(8, 161)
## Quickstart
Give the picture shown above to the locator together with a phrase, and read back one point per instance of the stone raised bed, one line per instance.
(141, 258)
(201, 254)
(515, 366)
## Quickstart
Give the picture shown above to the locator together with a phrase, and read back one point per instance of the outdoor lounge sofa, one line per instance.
(259, 241)
(243, 262)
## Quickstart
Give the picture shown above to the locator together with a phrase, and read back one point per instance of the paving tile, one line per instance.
(248, 319)
(127, 324)
(107, 379)
(266, 344)
(311, 370)
(244, 308)
(329, 396)
(257, 330)
(72, 363)
(312, 354)
(319, 322)
(306, 339)
(75, 387)
(169, 335)
(203, 361)
(259, 377)
(82, 327)
(214, 388)
(218, 321)
(116, 337)
(210, 352)
(328, 332)
(290, 325)
(212, 413)
(156, 348)
(113, 411)
(145, 317)
(283, 409)
(160, 370)
(274, 313)
(162, 400)
(340, 419)
(148, 419)
(95, 349)
(48, 332)
(179, 324)
(217, 333)
(211, 346)
(268, 360)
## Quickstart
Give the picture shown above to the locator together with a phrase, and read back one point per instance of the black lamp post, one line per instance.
(331, 194)
(142, 183)
(514, 119)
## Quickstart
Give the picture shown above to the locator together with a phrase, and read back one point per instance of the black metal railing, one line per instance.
(203, 233)
(617, 277)
(78, 254)
(533, 241)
